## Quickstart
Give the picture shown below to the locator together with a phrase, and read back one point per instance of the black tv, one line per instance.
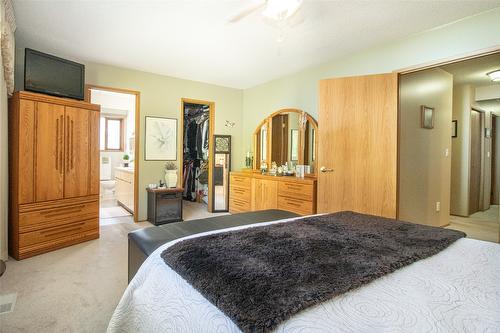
(48, 74)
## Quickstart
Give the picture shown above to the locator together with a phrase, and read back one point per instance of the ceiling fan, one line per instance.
(276, 10)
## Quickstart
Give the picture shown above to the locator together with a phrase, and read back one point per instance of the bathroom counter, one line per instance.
(124, 189)
(125, 169)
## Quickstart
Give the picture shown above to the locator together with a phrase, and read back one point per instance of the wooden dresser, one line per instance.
(54, 173)
(250, 191)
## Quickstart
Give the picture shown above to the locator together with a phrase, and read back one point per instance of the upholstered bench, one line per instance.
(143, 242)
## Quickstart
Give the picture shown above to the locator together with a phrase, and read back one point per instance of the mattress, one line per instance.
(456, 290)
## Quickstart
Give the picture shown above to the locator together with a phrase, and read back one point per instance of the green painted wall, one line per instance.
(161, 96)
(300, 90)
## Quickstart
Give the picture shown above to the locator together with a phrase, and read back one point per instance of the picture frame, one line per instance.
(454, 128)
(427, 117)
(160, 142)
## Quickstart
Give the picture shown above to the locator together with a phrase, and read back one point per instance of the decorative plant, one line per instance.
(170, 166)
(126, 157)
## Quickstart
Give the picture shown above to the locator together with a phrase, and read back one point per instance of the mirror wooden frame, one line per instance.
(302, 127)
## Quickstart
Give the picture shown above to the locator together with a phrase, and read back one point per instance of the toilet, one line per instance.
(107, 183)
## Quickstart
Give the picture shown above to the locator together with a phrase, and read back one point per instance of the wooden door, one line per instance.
(475, 162)
(279, 149)
(266, 194)
(357, 144)
(77, 157)
(49, 160)
(95, 154)
(495, 165)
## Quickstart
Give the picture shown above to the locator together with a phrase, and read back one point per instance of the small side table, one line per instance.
(164, 205)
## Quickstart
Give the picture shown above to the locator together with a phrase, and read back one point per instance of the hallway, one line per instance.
(481, 225)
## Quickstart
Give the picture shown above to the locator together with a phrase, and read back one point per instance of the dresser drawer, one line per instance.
(240, 193)
(238, 206)
(44, 218)
(240, 181)
(54, 233)
(298, 206)
(294, 189)
(57, 243)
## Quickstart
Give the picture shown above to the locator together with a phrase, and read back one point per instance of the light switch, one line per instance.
(438, 206)
(446, 152)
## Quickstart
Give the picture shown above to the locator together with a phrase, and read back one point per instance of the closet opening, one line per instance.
(196, 172)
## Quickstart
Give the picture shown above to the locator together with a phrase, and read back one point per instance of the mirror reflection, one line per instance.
(287, 137)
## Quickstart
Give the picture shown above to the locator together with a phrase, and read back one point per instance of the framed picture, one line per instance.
(294, 145)
(454, 128)
(161, 139)
(427, 117)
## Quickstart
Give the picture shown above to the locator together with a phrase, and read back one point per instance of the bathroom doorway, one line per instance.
(119, 127)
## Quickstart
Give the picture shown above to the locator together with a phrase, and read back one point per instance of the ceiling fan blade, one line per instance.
(246, 11)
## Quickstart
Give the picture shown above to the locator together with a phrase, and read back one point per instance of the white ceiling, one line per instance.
(191, 40)
(474, 71)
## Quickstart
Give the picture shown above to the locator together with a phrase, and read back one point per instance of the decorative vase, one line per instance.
(171, 178)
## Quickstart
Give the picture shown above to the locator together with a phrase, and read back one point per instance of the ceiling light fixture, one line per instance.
(280, 10)
(494, 75)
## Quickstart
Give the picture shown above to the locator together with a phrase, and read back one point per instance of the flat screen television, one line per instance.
(52, 75)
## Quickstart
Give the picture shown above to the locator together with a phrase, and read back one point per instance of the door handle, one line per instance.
(325, 169)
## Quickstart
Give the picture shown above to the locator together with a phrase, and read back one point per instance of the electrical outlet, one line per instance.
(438, 206)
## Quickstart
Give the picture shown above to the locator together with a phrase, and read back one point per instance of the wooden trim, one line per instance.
(211, 126)
(137, 151)
(28, 95)
(449, 60)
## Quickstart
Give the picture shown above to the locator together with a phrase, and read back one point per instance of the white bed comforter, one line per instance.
(457, 290)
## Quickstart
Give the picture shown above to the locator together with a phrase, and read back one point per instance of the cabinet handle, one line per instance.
(64, 210)
(72, 150)
(67, 143)
(57, 144)
(61, 140)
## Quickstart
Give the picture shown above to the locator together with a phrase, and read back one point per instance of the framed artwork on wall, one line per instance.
(454, 128)
(160, 142)
(427, 115)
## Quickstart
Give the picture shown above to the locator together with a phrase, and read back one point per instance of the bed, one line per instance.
(456, 290)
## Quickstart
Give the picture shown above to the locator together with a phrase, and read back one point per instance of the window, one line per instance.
(111, 134)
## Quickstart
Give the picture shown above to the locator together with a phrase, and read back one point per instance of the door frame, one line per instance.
(493, 155)
(482, 159)
(421, 67)
(137, 94)
(211, 124)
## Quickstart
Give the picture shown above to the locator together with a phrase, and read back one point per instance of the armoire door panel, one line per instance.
(77, 159)
(49, 155)
(26, 152)
(357, 151)
(94, 117)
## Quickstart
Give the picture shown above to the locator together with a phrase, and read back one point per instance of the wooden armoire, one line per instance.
(54, 173)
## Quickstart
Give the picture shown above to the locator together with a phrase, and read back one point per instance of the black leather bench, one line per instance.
(143, 242)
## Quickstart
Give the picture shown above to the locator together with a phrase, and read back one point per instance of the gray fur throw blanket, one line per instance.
(263, 275)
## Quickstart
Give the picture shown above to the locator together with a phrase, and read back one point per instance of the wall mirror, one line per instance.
(287, 136)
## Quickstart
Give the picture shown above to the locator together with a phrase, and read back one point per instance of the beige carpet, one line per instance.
(75, 289)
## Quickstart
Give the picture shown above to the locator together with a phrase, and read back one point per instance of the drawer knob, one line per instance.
(325, 169)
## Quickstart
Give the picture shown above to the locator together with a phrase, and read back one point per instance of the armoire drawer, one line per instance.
(293, 189)
(54, 233)
(44, 218)
(236, 205)
(240, 181)
(298, 206)
(240, 193)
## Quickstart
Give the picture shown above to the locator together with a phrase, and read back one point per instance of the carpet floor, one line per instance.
(75, 289)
